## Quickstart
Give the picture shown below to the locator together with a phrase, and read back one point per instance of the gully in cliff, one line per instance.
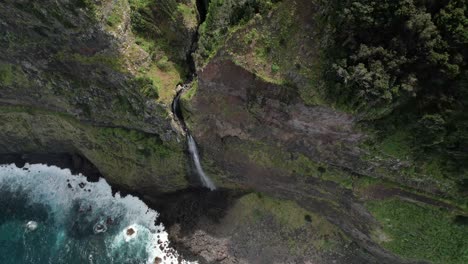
(192, 145)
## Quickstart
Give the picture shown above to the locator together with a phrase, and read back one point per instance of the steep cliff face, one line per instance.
(261, 83)
(74, 77)
(233, 105)
(258, 135)
(95, 78)
(260, 114)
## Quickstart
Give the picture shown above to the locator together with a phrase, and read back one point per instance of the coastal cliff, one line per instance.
(309, 165)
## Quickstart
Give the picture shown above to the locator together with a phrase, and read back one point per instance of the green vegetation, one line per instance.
(6, 74)
(189, 14)
(397, 145)
(188, 95)
(224, 16)
(257, 208)
(421, 232)
(297, 164)
(127, 157)
(420, 55)
(85, 4)
(12, 74)
(287, 213)
(163, 64)
(113, 61)
(162, 29)
(147, 86)
(116, 15)
(147, 145)
(274, 68)
(163, 81)
(274, 44)
(410, 81)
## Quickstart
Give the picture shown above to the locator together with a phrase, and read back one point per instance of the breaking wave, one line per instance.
(48, 215)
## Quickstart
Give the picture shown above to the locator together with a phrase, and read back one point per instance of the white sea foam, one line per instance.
(61, 192)
(31, 225)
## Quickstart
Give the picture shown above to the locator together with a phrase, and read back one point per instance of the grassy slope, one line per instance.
(258, 209)
(421, 232)
(156, 27)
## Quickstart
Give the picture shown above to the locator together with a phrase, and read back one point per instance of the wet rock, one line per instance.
(130, 231)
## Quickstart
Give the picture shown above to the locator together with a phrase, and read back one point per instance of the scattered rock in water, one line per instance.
(69, 186)
(130, 231)
(99, 228)
(82, 185)
(157, 260)
(32, 225)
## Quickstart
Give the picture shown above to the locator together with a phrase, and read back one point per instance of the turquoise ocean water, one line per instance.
(48, 215)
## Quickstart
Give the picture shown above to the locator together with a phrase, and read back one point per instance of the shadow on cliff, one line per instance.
(187, 207)
(74, 162)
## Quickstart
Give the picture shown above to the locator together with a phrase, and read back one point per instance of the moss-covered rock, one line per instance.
(223, 18)
(128, 158)
(263, 120)
(75, 77)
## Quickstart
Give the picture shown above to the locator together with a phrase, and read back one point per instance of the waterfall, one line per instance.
(192, 145)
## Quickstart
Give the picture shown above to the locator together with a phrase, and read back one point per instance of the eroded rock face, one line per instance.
(261, 136)
(233, 103)
(60, 57)
(69, 83)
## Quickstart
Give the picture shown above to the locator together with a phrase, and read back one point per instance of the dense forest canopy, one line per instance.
(403, 60)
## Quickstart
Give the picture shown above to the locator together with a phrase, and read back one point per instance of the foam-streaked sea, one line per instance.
(48, 215)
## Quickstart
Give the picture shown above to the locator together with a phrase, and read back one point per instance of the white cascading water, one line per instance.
(125, 226)
(192, 145)
(206, 182)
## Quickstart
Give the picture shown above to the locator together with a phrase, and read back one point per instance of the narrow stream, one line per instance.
(202, 7)
(192, 145)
